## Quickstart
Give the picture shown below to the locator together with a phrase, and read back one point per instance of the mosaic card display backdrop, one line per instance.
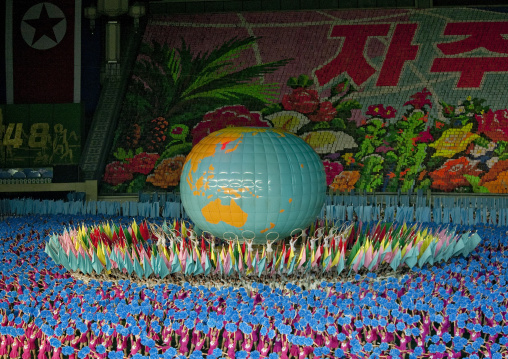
(40, 135)
(389, 99)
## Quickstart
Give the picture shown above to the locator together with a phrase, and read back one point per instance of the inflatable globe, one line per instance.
(250, 181)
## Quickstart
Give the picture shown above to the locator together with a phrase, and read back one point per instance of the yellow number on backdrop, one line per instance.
(15, 141)
(39, 133)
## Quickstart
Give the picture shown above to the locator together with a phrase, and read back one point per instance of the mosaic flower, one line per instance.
(424, 137)
(116, 173)
(420, 99)
(448, 110)
(142, 163)
(497, 168)
(494, 124)
(325, 113)
(167, 173)
(349, 158)
(332, 169)
(345, 181)
(499, 185)
(479, 151)
(453, 140)
(302, 100)
(451, 174)
(290, 121)
(227, 116)
(357, 117)
(381, 111)
(384, 149)
(492, 161)
(459, 110)
(179, 131)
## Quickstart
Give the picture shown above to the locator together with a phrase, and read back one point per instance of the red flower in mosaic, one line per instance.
(451, 174)
(332, 169)
(325, 113)
(302, 100)
(116, 173)
(142, 163)
(381, 111)
(449, 110)
(420, 99)
(494, 124)
(425, 137)
(342, 87)
(228, 116)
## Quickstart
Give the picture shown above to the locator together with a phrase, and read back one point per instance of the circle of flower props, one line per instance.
(111, 250)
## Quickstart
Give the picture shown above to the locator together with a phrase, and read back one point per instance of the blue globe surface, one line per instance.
(250, 182)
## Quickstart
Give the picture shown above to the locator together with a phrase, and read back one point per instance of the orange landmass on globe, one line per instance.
(266, 229)
(207, 148)
(215, 212)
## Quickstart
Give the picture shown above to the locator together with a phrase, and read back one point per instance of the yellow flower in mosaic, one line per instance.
(469, 98)
(348, 157)
(453, 141)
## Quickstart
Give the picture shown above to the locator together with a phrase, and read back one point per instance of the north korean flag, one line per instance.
(43, 51)
(2, 58)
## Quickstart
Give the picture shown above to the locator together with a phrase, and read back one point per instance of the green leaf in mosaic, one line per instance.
(304, 81)
(271, 109)
(475, 183)
(500, 147)
(321, 125)
(347, 105)
(338, 124)
(292, 82)
(121, 154)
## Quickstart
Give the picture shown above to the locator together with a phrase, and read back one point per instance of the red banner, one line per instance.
(45, 64)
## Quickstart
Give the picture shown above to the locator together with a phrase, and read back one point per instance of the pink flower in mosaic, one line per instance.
(381, 111)
(357, 117)
(451, 174)
(420, 99)
(494, 124)
(325, 113)
(228, 116)
(424, 137)
(332, 169)
(383, 149)
(302, 100)
(116, 173)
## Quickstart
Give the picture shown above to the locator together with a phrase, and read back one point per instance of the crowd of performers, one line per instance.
(454, 310)
(247, 259)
